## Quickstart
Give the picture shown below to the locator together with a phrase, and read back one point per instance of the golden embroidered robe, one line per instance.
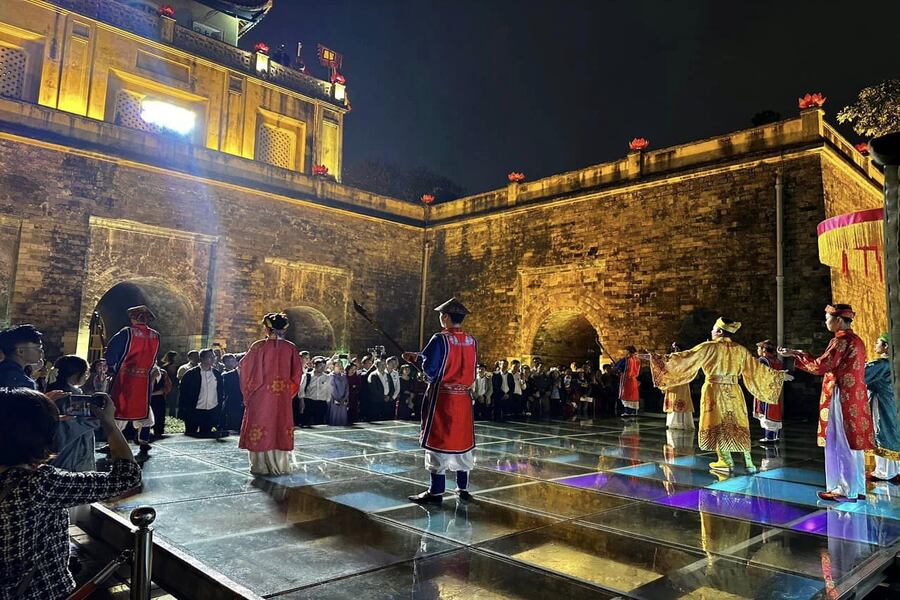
(723, 409)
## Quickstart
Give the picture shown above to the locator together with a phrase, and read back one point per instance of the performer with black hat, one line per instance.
(448, 426)
(131, 356)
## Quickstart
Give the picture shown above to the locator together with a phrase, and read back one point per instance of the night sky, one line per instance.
(473, 89)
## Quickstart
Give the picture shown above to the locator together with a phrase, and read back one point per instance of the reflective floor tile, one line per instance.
(808, 554)
(554, 499)
(479, 479)
(240, 460)
(397, 443)
(303, 554)
(724, 579)
(807, 476)
(173, 488)
(194, 447)
(223, 517)
(520, 449)
(594, 462)
(367, 493)
(670, 473)
(339, 450)
(788, 491)
(466, 522)
(357, 435)
(388, 463)
(529, 467)
(461, 574)
(313, 472)
(738, 506)
(173, 464)
(616, 562)
(674, 526)
(621, 485)
(859, 527)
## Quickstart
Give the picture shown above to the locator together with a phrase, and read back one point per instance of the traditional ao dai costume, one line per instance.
(885, 417)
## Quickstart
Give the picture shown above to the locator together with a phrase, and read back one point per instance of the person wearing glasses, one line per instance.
(22, 346)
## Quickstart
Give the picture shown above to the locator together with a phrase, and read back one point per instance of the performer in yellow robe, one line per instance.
(724, 426)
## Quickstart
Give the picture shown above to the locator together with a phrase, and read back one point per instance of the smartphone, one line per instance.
(79, 405)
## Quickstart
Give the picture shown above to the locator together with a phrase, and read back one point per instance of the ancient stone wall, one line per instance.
(646, 264)
(79, 223)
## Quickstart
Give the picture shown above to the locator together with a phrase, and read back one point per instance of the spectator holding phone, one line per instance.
(74, 446)
(34, 496)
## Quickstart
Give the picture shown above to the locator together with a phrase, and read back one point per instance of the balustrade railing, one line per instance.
(147, 25)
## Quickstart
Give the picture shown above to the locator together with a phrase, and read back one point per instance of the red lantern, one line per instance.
(862, 148)
(338, 78)
(816, 100)
(261, 47)
(320, 170)
(167, 10)
(515, 177)
(427, 198)
(638, 144)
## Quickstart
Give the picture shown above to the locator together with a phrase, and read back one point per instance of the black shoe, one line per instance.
(426, 497)
(464, 495)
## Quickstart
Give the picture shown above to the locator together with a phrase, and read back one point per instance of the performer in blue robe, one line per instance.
(884, 413)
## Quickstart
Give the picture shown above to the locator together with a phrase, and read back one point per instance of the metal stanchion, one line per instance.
(142, 567)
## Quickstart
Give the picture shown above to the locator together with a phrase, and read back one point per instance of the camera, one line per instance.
(79, 405)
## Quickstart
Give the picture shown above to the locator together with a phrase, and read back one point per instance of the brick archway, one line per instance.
(310, 330)
(554, 313)
(178, 321)
(565, 337)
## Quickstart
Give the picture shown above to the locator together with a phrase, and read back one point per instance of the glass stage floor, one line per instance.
(569, 510)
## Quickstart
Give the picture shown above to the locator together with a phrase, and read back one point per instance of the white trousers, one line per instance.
(439, 462)
(769, 425)
(148, 422)
(886, 468)
(676, 420)
(845, 469)
(271, 462)
(632, 405)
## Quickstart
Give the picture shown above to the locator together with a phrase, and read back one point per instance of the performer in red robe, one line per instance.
(131, 356)
(448, 424)
(270, 378)
(629, 368)
(845, 420)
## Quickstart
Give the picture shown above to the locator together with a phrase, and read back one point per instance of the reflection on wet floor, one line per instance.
(573, 509)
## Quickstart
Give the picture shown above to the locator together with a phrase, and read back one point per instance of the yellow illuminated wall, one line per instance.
(79, 65)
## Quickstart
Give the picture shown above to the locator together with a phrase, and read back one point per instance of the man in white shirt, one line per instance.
(201, 396)
(481, 393)
(315, 388)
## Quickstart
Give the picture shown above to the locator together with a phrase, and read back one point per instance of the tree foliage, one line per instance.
(876, 110)
(390, 179)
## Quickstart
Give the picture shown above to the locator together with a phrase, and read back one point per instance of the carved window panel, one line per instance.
(12, 71)
(128, 112)
(276, 146)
